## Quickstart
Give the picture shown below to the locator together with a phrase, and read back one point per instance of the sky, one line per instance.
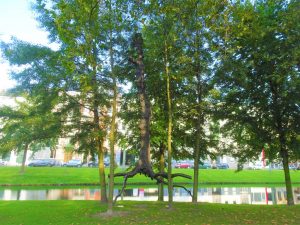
(17, 19)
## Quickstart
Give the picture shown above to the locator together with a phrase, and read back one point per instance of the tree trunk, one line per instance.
(196, 166)
(170, 123)
(112, 151)
(161, 170)
(198, 135)
(52, 152)
(112, 129)
(101, 170)
(288, 183)
(99, 143)
(22, 170)
(98, 128)
(144, 101)
(144, 166)
(282, 140)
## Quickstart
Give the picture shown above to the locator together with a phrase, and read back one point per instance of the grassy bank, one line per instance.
(88, 212)
(62, 175)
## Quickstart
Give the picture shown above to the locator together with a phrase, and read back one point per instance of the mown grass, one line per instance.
(63, 175)
(89, 212)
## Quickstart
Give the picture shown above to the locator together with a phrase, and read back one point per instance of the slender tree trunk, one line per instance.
(170, 123)
(282, 139)
(285, 162)
(112, 127)
(98, 128)
(99, 143)
(161, 170)
(52, 152)
(196, 165)
(101, 170)
(198, 136)
(199, 108)
(112, 151)
(22, 170)
(288, 183)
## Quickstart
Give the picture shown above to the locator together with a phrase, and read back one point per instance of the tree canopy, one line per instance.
(184, 68)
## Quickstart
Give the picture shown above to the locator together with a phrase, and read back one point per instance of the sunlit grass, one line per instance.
(88, 212)
(85, 176)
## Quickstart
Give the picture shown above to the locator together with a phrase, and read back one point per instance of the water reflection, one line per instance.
(225, 195)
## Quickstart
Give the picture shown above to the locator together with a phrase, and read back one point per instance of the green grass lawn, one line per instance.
(89, 212)
(63, 175)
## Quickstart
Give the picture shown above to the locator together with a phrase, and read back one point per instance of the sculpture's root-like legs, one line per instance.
(147, 171)
(181, 186)
(165, 175)
(126, 176)
(122, 190)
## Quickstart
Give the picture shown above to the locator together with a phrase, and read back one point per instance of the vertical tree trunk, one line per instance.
(288, 182)
(200, 114)
(98, 128)
(144, 101)
(196, 166)
(198, 136)
(161, 170)
(101, 170)
(22, 170)
(52, 152)
(170, 121)
(112, 127)
(99, 143)
(282, 140)
(143, 166)
(112, 150)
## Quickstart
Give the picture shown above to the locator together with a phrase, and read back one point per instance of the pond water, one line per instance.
(225, 195)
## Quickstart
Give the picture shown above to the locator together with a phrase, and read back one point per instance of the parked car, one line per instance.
(293, 167)
(95, 163)
(2, 163)
(223, 166)
(183, 164)
(44, 162)
(276, 166)
(73, 163)
(205, 166)
(257, 166)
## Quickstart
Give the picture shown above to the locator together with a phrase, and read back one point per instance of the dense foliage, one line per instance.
(185, 68)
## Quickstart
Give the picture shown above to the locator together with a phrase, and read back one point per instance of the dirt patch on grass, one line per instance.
(106, 215)
(167, 208)
(141, 206)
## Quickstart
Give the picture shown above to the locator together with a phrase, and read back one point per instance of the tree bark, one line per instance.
(198, 136)
(170, 123)
(278, 115)
(285, 163)
(144, 101)
(161, 170)
(112, 135)
(101, 170)
(143, 165)
(196, 165)
(98, 128)
(99, 143)
(52, 152)
(22, 170)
